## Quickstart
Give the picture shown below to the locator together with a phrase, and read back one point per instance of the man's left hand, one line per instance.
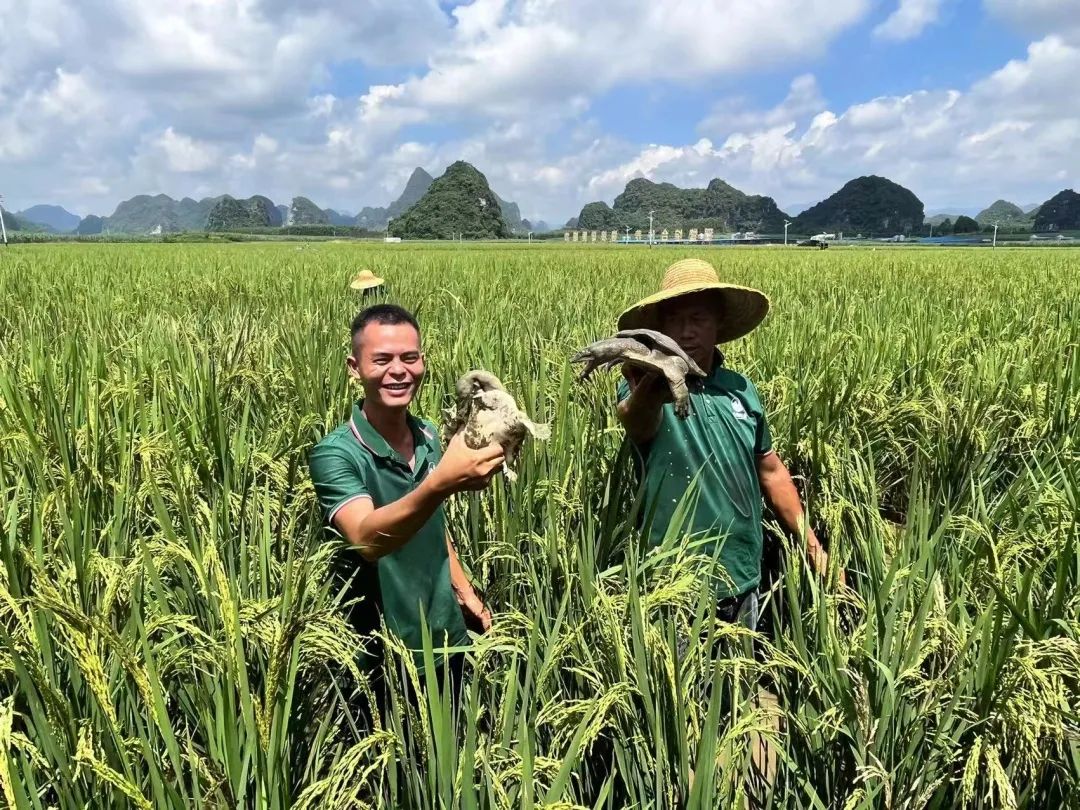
(819, 558)
(476, 615)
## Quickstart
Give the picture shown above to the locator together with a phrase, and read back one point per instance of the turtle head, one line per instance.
(476, 382)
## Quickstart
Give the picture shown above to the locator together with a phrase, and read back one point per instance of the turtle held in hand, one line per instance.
(649, 351)
(486, 412)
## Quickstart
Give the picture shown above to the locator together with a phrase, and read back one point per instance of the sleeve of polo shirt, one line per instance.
(436, 443)
(336, 478)
(622, 390)
(762, 435)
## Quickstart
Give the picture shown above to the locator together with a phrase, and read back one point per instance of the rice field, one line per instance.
(168, 638)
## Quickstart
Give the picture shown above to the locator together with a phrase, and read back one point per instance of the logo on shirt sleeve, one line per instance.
(737, 409)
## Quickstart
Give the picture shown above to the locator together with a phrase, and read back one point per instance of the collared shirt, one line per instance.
(717, 448)
(354, 461)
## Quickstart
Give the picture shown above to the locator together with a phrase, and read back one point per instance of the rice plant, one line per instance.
(169, 637)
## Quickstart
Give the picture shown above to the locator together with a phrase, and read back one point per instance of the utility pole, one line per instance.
(530, 237)
(931, 230)
(3, 227)
(786, 223)
(628, 234)
(650, 227)
(995, 235)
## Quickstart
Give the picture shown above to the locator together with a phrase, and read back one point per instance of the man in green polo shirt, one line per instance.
(381, 480)
(724, 446)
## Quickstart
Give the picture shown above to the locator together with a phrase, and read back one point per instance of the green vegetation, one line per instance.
(1060, 213)
(160, 213)
(511, 214)
(965, 224)
(230, 214)
(1007, 215)
(871, 206)
(90, 225)
(718, 206)
(459, 203)
(303, 211)
(166, 639)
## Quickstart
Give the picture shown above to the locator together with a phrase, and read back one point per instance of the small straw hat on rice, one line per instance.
(740, 308)
(365, 280)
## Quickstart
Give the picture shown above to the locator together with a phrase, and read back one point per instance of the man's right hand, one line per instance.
(648, 385)
(462, 468)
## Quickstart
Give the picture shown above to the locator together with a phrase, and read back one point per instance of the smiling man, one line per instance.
(725, 442)
(381, 479)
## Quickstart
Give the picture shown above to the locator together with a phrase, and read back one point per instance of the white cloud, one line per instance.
(909, 20)
(513, 58)
(1008, 134)
(103, 99)
(183, 153)
(736, 114)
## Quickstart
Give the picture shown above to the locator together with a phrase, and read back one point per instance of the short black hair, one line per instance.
(387, 314)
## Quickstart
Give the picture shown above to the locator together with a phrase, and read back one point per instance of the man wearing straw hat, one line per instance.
(724, 445)
(367, 282)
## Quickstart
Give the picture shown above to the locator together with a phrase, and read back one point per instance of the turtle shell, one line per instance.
(652, 339)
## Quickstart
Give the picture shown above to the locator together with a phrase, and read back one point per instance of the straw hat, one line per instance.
(741, 308)
(365, 280)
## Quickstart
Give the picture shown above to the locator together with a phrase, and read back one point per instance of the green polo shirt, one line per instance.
(354, 461)
(719, 444)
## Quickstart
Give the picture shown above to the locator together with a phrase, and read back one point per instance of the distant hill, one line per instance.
(13, 222)
(718, 205)
(938, 219)
(283, 213)
(375, 218)
(417, 186)
(1060, 213)
(160, 213)
(512, 214)
(52, 216)
(951, 213)
(571, 223)
(303, 211)
(90, 225)
(339, 218)
(230, 214)
(459, 202)
(1006, 214)
(872, 206)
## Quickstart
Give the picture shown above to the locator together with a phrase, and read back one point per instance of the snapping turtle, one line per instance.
(487, 412)
(650, 351)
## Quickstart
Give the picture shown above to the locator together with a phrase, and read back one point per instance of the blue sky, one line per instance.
(559, 103)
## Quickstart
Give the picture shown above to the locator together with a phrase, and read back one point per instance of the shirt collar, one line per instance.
(365, 433)
(717, 367)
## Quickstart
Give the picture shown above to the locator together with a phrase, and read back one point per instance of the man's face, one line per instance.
(692, 323)
(388, 362)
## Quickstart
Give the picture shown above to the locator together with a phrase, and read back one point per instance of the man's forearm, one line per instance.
(782, 496)
(640, 415)
(459, 581)
(389, 527)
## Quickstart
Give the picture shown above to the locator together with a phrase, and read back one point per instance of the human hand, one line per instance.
(819, 559)
(647, 384)
(462, 468)
(476, 615)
